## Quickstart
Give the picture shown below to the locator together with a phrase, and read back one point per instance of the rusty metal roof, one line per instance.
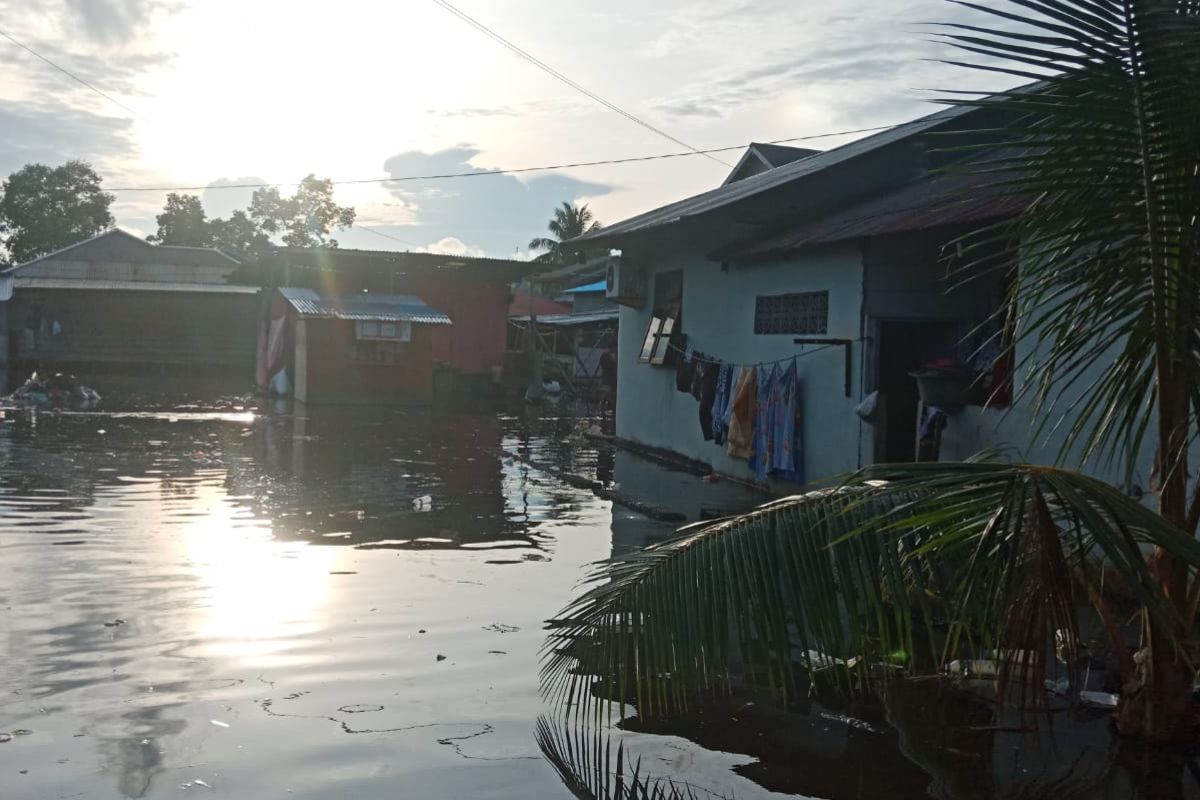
(942, 200)
(364, 307)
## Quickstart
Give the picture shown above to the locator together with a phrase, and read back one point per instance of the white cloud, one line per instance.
(451, 246)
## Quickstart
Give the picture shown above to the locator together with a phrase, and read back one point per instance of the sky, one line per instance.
(246, 91)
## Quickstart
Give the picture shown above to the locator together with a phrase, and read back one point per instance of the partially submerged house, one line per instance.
(365, 348)
(831, 265)
(474, 293)
(115, 304)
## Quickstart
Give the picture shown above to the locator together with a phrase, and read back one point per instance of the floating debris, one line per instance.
(500, 627)
(365, 708)
(441, 657)
(219, 724)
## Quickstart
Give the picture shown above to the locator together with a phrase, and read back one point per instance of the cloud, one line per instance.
(497, 213)
(53, 134)
(105, 21)
(500, 111)
(220, 202)
(687, 108)
(451, 246)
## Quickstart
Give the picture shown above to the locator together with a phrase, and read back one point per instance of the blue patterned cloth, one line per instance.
(724, 398)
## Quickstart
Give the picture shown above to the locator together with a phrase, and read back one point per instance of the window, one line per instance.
(388, 331)
(666, 325)
(801, 313)
(377, 352)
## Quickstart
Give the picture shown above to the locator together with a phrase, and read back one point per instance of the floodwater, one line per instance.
(198, 603)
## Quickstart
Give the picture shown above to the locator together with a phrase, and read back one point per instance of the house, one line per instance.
(833, 262)
(365, 348)
(474, 293)
(115, 304)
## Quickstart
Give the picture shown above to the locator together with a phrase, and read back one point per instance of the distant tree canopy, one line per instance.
(568, 222)
(305, 219)
(43, 209)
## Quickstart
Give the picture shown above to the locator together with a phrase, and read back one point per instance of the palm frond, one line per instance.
(1105, 147)
(588, 768)
(914, 564)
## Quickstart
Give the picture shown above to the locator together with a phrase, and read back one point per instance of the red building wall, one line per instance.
(478, 338)
(333, 378)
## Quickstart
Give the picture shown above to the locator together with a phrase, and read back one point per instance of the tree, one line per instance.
(306, 218)
(240, 234)
(917, 564)
(183, 222)
(569, 221)
(47, 208)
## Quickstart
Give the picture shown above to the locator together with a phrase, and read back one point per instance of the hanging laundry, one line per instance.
(765, 423)
(684, 372)
(787, 455)
(702, 364)
(721, 403)
(708, 396)
(743, 411)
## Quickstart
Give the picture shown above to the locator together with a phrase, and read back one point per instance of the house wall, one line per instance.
(477, 340)
(107, 331)
(718, 318)
(331, 378)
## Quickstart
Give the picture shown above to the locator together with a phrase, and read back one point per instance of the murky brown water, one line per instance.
(198, 604)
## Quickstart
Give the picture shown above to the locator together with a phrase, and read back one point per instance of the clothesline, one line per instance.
(692, 353)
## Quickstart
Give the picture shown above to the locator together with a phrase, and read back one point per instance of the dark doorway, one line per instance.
(902, 348)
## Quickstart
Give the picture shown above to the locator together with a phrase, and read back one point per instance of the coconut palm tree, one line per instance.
(916, 564)
(569, 221)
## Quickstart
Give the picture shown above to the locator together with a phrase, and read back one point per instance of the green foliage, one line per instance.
(569, 221)
(183, 222)
(47, 208)
(306, 218)
(938, 560)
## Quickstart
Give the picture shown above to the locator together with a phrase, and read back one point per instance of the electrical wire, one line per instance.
(69, 74)
(514, 171)
(542, 65)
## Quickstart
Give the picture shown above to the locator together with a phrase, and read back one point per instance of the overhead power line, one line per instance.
(515, 171)
(542, 65)
(69, 74)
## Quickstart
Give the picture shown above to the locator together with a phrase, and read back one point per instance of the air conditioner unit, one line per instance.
(624, 283)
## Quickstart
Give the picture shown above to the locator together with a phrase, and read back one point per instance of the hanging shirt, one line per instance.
(765, 423)
(708, 395)
(721, 403)
(684, 371)
(784, 454)
(743, 410)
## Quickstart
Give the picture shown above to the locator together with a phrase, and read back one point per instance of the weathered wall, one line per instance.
(719, 320)
(333, 379)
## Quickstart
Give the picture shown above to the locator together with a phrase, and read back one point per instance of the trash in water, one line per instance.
(58, 391)
(5, 738)
(114, 623)
(441, 657)
(500, 627)
(364, 708)
(197, 782)
(422, 503)
(219, 724)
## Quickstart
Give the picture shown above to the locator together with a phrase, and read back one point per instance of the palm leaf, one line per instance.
(585, 763)
(1105, 148)
(920, 563)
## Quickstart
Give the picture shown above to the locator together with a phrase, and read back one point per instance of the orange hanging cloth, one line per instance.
(745, 407)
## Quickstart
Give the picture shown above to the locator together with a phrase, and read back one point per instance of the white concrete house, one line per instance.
(845, 245)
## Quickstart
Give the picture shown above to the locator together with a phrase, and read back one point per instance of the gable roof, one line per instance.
(116, 244)
(757, 185)
(760, 157)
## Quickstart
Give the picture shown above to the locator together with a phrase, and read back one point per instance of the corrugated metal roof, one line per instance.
(365, 307)
(771, 179)
(598, 286)
(102, 244)
(131, 286)
(571, 320)
(948, 199)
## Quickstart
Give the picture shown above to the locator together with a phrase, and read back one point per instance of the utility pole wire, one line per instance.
(542, 65)
(69, 74)
(482, 173)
